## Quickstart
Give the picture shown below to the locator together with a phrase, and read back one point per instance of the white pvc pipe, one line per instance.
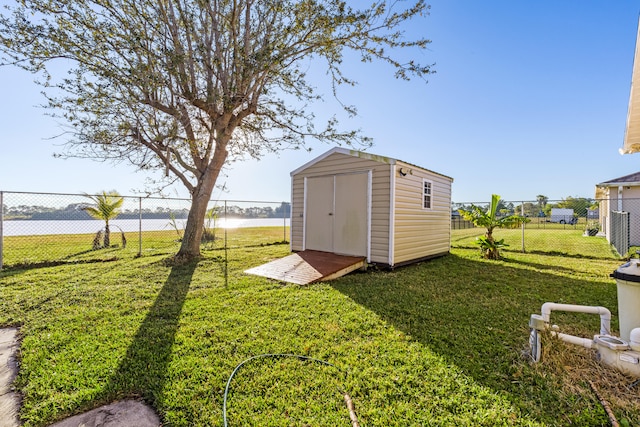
(605, 314)
(571, 339)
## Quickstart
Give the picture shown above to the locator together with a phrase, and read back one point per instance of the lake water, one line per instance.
(31, 228)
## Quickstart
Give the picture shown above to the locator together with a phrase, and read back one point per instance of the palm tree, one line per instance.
(107, 207)
(488, 245)
(542, 201)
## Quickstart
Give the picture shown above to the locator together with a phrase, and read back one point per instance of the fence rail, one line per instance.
(51, 227)
(616, 220)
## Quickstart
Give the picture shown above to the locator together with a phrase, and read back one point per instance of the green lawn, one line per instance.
(77, 248)
(438, 343)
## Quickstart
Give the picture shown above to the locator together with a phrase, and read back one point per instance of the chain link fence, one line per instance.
(554, 221)
(41, 228)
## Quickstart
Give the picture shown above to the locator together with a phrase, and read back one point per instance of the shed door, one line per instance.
(350, 225)
(337, 214)
(319, 214)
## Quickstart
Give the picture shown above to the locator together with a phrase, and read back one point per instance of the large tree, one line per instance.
(186, 86)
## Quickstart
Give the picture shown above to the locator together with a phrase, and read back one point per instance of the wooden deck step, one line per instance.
(307, 267)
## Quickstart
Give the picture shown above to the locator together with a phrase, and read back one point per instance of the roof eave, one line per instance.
(340, 150)
(619, 184)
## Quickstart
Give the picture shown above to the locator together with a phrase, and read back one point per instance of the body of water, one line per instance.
(32, 228)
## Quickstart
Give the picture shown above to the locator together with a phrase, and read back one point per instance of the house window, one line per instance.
(427, 188)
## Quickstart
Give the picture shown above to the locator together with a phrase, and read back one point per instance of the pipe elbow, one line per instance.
(605, 313)
(546, 309)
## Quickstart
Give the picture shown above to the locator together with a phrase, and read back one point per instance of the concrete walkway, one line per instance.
(9, 400)
(125, 413)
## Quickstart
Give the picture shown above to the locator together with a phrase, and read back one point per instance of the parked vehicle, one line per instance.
(563, 216)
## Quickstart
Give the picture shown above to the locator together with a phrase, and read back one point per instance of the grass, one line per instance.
(438, 343)
(76, 248)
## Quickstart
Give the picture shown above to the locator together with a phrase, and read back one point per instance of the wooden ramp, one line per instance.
(306, 267)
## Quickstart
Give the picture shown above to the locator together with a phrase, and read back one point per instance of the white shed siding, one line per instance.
(335, 164)
(396, 197)
(421, 232)
(297, 212)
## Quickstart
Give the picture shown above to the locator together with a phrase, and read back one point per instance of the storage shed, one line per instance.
(354, 203)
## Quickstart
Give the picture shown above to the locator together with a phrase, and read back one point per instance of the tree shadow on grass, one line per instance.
(475, 314)
(143, 370)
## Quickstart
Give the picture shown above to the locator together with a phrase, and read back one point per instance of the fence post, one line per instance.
(1, 229)
(523, 224)
(139, 226)
(284, 222)
(226, 259)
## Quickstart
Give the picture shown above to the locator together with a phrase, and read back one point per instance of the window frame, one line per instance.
(425, 195)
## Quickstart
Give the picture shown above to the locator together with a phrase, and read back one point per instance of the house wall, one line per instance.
(630, 203)
(604, 208)
(630, 197)
(338, 163)
(419, 232)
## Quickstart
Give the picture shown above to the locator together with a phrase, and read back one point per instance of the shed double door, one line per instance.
(337, 213)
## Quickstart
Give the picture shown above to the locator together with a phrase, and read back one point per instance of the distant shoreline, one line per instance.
(35, 227)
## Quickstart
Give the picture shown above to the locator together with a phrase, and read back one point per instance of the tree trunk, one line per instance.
(491, 252)
(107, 235)
(190, 247)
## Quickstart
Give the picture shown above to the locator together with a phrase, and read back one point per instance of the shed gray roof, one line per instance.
(364, 155)
(631, 179)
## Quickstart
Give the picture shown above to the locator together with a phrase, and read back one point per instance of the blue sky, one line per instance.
(529, 97)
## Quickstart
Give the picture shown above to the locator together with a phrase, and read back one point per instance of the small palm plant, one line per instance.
(210, 225)
(107, 207)
(489, 247)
